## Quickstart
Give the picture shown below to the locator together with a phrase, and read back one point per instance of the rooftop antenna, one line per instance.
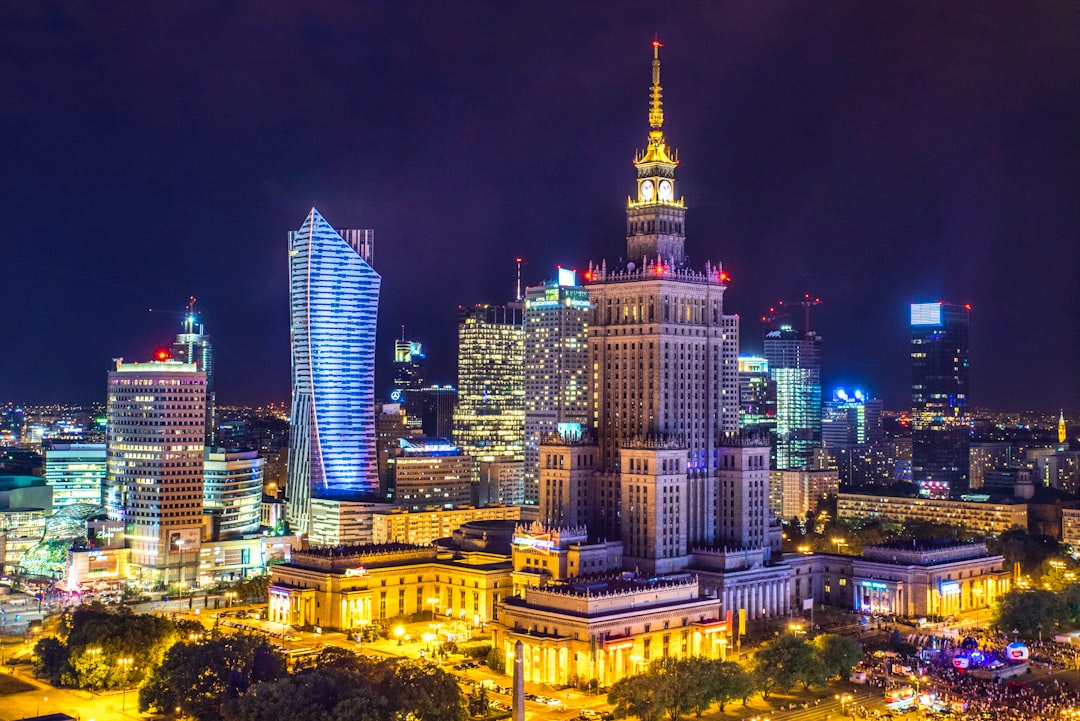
(402, 331)
(518, 295)
(189, 315)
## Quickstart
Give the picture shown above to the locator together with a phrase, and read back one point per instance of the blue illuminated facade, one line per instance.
(334, 297)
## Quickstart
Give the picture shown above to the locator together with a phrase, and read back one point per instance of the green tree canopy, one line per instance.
(836, 654)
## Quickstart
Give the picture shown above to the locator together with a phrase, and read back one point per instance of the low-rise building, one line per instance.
(398, 525)
(350, 587)
(927, 578)
(983, 515)
(603, 628)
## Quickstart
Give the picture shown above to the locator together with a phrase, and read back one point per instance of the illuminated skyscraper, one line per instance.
(409, 360)
(757, 395)
(490, 418)
(663, 356)
(193, 346)
(941, 427)
(556, 367)
(154, 485)
(334, 298)
(851, 419)
(794, 358)
(233, 490)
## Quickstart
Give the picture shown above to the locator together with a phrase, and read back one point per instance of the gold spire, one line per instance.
(1062, 435)
(656, 109)
(657, 151)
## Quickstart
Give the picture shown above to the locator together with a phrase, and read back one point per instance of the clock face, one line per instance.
(647, 190)
(665, 190)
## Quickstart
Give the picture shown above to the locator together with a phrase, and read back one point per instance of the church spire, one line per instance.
(1062, 435)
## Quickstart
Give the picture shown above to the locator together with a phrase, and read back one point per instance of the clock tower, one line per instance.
(655, 229)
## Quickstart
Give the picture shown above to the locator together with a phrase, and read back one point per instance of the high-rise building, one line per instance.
(490, 417)
(556, 367)
(431, 472)
(409, 362)
(851, 419)
(941, 426)
(987, 457)
(193, 346)
(76, 472)
(433, 408)
(757, 395)
(334, 303)
(664, 360)
(794, 358)
(156, 487)
(232, 493)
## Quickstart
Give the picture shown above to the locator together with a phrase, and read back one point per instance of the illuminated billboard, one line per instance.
(926, 313)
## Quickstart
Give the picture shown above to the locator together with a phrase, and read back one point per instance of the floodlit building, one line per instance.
(76, 472)
(757, 394)
(156, 488)
(426, 526)
(350, 587)
(334, 303)
(928, 578)
(940, 431)
(803, 490)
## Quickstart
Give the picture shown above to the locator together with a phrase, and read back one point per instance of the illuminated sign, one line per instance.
(540, 542)
(950, 588)
(875, 584)
(396, 395)
(926, 313)
(567, 277)
(355, 571)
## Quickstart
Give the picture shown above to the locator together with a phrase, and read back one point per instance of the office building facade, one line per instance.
(490, 417)
(76, 472)
(156, 488)
(940, 420)
(556, 368)
(232, 492)
(334, 302)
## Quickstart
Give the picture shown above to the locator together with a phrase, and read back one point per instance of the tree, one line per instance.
(496, 660)
(1031, 610)
(727, 681)
(678, 681)
(637, 696)
(201, 676)
(836, 654)
(782, 662)
(50, 657)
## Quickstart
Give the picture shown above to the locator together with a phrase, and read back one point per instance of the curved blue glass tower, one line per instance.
(334, 298)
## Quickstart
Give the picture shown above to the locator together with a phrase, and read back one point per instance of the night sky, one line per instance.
(869, 153)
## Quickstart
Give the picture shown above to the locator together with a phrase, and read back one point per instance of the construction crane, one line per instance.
(784, 309)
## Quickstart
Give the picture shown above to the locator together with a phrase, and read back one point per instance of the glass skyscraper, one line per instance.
(941, 428)
(794, 359)
(334, 303)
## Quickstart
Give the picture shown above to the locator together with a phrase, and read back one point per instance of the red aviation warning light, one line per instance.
(724, 277)
(162, 354)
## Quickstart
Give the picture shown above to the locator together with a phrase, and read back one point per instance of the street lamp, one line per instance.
(125, 663)
(180, 571)
(844, 699)
(399, 631)
(839, 542)
(796, 629)
(433, 601)
(230, 596)
(978, 593)
(38, 712)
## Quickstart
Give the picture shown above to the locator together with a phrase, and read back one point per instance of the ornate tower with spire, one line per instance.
(664, 389)
(1062, 435)
(655, 219)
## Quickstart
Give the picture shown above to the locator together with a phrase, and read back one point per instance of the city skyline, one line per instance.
(923, 155)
